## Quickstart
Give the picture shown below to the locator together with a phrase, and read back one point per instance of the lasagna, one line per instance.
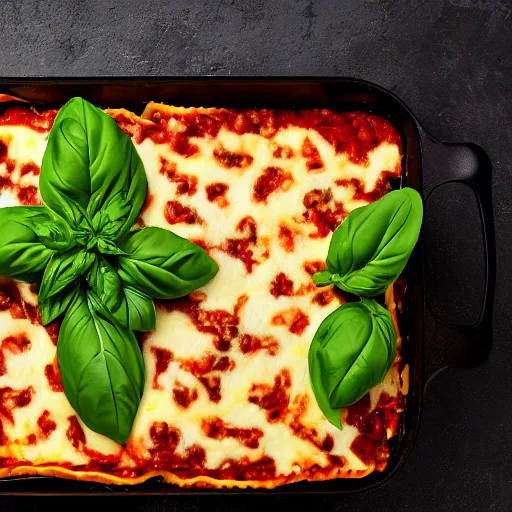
(227, 400)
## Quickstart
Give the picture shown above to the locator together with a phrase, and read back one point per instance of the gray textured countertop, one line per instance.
(450, 61)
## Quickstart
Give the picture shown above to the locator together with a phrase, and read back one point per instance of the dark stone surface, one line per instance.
(451, 61)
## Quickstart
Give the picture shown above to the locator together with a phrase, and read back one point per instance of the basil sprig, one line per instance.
(354, 346)
(92, 268)
(351, 352)
(371, 247)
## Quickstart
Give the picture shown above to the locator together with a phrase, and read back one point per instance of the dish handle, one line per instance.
(470, 165)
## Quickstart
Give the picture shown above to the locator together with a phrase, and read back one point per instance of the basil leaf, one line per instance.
(90, 165)
(58, 304)
(106, 284)
(371, 247)
(164, 265)
(351, 352)
(22, 253)
(141, 310)
(101, 367)
(128, 306)
(62, 269)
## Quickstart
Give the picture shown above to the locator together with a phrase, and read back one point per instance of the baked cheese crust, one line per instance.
(227, 402)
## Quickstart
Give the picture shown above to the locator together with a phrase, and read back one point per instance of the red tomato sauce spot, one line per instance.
(163, 357)
(250, 344)
(29, 196)
(382, 186)
(163, 453)
(243, 248)
(311, 154)
(310, 434)
(31, 118)
(285, 152)
(321, 211)
(216, 193)
(177, 213)
(294, 318)
(30, 168)
(216, 428)
(286, 238)
(311, 267)
(281, 286)
(324, 298)
(15, 345)
(46, 424)
(52, 374)
(272, 179)
(230, 159)
(183, 395)
(14, 399)
(75, 432)
(185, 183)
(273, 399)
(220, 324)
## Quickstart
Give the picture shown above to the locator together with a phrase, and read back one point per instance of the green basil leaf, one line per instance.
(371, 247)
(90, 165)
(58, 304)
(128, 306)
(141, 310)
(105, 282)
(102, 368)
(62, 270)
(164, 265)
(23, 255)
(351, 352)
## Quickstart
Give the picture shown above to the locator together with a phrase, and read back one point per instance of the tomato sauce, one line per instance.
(14, 399)
(272, 179)
(230, 159)
(273, 399)
(310, 152)
(12, 301)
(243, 248)
(216, 193)
(286, 238)
(294, 318)
(15, 345)
(162, 357)
(381, 187)
(177, 213)
(75, 433)
(375, 427)
(281, 285)
(52, 374)
(30, 168)
(46, 424)
(185, 184)
(27, 195)
(216, 428)
(312, 267)
(323, 298)
(353, 133)
(285, 152)
(183, 395)
(220, 324)
(250, 344)
(323, 212)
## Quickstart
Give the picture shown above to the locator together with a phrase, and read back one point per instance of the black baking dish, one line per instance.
(464, 163)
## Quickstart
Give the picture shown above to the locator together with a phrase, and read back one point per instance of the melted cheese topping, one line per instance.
(178, 335)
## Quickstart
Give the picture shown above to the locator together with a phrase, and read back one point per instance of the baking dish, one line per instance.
(427, 165)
